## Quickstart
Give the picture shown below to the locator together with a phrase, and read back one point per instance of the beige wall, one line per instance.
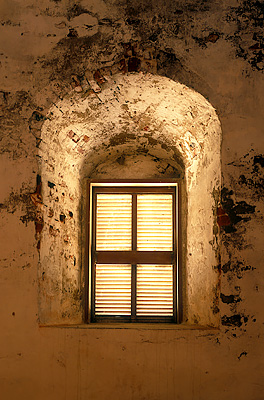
(50, 48)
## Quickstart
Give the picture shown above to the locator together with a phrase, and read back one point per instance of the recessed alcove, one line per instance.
(139, 126)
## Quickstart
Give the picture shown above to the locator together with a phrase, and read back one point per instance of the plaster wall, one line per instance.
(138, 119)
(48, 50)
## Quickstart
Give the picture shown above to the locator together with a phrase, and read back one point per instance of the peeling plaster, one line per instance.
(136, 126)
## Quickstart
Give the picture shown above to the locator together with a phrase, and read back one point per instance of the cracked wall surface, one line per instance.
(52, 48)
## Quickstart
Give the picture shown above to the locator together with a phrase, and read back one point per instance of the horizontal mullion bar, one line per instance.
(134, 257)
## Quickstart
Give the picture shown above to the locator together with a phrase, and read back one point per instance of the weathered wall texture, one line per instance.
(148, 120)
(53, 52)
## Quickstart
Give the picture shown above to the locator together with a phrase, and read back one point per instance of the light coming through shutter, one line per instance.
(134, 258)
(113, 222)
(155, 290)
(154, 222)
(113, 289)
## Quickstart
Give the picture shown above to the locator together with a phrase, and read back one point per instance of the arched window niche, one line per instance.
(140, 126)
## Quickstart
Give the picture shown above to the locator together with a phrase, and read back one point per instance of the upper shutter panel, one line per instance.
(154, 222)
(113, 221)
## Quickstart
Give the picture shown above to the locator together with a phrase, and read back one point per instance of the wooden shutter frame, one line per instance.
(132, 257)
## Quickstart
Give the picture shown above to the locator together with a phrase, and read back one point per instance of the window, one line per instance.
(133, 251)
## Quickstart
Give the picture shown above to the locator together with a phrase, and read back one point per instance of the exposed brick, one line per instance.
(93, 84)
(213, 37)
(99, 78)
(73, 136)
(123, 66)
(80, 150)
(85, 138)
(50, 213)
(38, 226)
(222, 217)
(62, 218)
(133, 64)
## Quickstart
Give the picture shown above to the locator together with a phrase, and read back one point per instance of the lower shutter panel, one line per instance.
(154, 290)
(112, 289)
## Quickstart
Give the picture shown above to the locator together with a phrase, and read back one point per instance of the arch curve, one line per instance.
(137, 126)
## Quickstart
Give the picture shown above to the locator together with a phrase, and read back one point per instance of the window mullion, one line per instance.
(134, 266)
(175, 261)
(93, 248)
(133, 291)
(134, 221)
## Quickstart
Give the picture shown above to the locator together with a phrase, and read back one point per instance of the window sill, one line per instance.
(135, 326)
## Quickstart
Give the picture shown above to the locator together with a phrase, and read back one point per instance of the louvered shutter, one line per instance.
(133, 290)
(113, 222)
(154, 222)
(154, 290)
(113, 289)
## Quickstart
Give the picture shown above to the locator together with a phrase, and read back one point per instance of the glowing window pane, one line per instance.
(113, 289)
(113, 222)
(154, 290)
(154, 222)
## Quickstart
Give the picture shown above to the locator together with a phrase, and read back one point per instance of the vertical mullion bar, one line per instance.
(88, 257)
(179, 251)
(134, 221)
(175, 250)
(134, 266)
(133, 291)
(93, 248)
